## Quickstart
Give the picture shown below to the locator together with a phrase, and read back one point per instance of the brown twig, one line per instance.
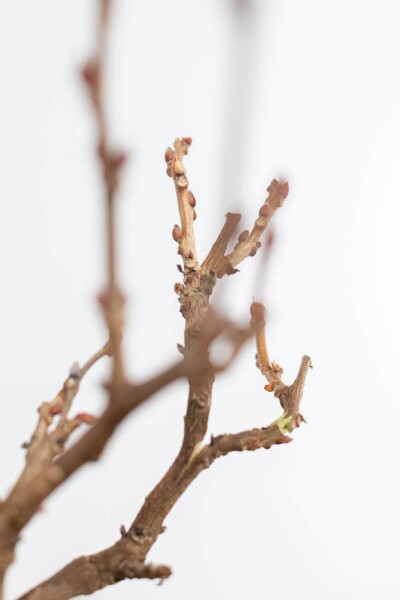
(184, 235)
(111, 161)
(271, 372)
(289, 396)
(201, 327)
(248, 243)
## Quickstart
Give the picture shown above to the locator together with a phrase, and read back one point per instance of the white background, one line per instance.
(306, 90)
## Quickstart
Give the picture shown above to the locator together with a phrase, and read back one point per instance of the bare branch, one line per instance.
(271, 372)
(289, 396)
(45, 445)
(111, 161)
(248, 243)
(184, 235)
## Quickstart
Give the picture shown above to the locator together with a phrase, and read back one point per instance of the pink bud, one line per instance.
(178, 288)
(283, 188)
(177, 233)
(90, 73)
(169, 154)
(119, 159)
(192, 199)
(243, 236)
(265, 210)
(270, 238)
(87, 418)
(55, 409)
(187, 140)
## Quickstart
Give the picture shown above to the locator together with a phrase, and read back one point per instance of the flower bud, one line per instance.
(178, 288)
(192, 199)
(55, 409)
(87, 418)
(177, 233)
(169, 154)
(90, 73)
(265, 211)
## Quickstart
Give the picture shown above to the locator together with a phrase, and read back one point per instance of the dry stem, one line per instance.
(122, 560)
(248, 243)
(186, 203)
(111, 162)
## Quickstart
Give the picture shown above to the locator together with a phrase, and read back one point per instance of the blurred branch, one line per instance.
(248, 243)
(33, 485)
(111, 161)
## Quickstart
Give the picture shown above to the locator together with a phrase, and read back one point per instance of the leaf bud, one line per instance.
(177, 233)
(192, 199)
(243, 236)
(169, 154)
(87, 418)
